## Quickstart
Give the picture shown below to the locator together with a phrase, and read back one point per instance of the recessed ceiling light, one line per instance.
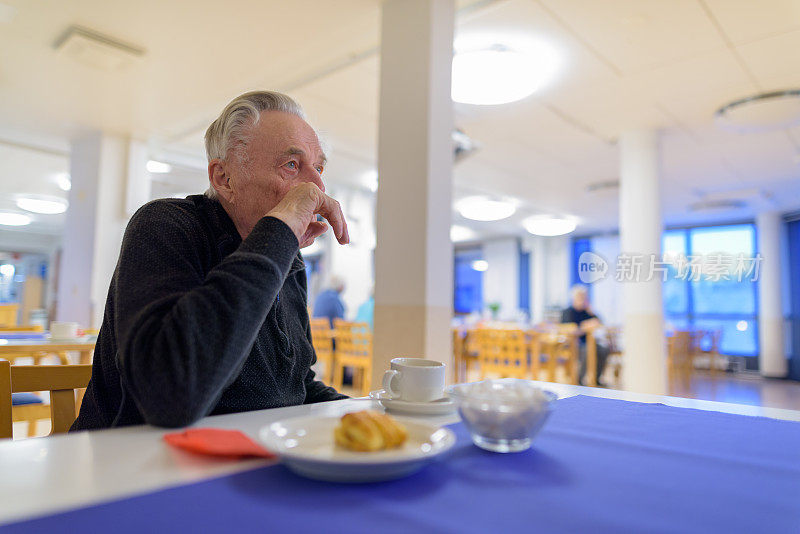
(42, 205)
(762, 112)
(499, 74)
(64, 181)
(480, 265)
(549, 226)
(8, 218)
(460, 233)
(158, 167)
(481, 208)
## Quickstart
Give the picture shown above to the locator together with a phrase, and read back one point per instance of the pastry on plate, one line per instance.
(368, 431)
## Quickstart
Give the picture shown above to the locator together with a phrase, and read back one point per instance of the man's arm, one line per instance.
(181, 337)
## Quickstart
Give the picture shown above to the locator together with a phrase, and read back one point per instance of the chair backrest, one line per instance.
(60, 380)
(19, 328)
(322, 336)
(502, 352)
(352, 339)
(8, 314)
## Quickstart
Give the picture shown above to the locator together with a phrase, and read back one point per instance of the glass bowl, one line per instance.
(502, 415)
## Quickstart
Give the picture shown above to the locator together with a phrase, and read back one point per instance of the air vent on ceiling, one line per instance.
(599, 187)
(96, 50)
(718, 205)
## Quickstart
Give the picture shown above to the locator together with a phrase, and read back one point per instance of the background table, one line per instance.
(11, 349)
(42, 476)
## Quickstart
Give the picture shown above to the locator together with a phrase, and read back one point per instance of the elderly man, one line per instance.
(329, 302)
(207, 310)
(580, 313)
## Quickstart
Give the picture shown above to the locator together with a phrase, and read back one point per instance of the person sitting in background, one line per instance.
(580, 313)
(329, 302)
(207, 309)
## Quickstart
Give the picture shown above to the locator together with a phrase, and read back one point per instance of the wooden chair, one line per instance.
(705, 344)
(679, 358)
(60, 380)
(615, 359)
(502, 353)
(353, 348)
(560, 348)
(322, 337)
(8, 314)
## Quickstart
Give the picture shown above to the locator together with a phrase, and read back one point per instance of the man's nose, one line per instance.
(313, 176)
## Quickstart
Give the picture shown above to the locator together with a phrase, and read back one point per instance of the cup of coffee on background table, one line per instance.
(63, 330)
(414, 380)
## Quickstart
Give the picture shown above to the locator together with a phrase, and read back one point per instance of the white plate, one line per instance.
(78, 339)
(442, 406)
(307, 447)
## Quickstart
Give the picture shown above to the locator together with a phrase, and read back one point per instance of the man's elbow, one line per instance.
(177, 417)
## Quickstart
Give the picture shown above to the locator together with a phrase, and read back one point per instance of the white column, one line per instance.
(640, 228)
(99, 208)
(772, 355)
(414, 255)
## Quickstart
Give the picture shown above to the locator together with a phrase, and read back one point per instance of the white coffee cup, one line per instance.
(414, 380)
(62, 330)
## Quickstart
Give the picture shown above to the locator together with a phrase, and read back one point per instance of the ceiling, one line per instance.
(626, 64)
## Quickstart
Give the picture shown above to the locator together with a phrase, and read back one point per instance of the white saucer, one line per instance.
(441, 406)
(306, 445)
(78, 339)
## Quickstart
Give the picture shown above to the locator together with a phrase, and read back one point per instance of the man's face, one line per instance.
(579, 300)
(282, 152)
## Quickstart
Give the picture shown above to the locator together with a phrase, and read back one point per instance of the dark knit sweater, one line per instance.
(198, 322)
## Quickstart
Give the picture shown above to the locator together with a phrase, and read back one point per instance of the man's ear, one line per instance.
(219, 179)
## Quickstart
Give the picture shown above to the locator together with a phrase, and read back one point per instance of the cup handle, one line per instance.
(387, 382)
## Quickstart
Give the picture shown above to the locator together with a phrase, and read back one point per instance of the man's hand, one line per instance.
(590, 324)
(299, 209)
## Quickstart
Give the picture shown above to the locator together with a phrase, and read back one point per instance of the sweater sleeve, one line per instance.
(182, 336)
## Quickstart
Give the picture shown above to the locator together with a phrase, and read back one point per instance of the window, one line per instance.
(468, 282)
(714, 302)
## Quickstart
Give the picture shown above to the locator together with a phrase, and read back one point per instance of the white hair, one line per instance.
(578, 289)
(231, 129)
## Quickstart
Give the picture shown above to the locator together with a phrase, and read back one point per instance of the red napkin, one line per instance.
(217, 442)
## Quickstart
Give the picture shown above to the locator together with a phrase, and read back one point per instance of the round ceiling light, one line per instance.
(42, 205)
(8, 218)
(499, 74)
(549, 226)
(763, 112)
(484, 209)
(480, 265)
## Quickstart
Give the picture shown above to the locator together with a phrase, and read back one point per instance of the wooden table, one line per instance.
(11, 349)
(42, 476)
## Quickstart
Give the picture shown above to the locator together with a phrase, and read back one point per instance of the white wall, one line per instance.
(607, 293)
(353, 262)
(501, 280)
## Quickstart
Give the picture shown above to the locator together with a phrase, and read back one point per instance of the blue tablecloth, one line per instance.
(598, 466)
(23, 335)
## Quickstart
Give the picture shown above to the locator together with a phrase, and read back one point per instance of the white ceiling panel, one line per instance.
(747, 20)
(636, 35)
